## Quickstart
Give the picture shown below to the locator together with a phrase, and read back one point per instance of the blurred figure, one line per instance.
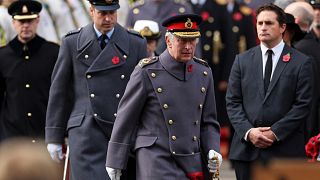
(254, 4)
(149, 30)
(123, 12)
(293, 33)
(283, 3)
(156, 10)
(310, 45)
(6, 20)
(22, 160)
(78, 12)
(196, 5)
(2, 37)
(303, 14)
(25, 71)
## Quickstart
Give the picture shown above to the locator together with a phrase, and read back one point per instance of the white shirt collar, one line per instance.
(98, 33)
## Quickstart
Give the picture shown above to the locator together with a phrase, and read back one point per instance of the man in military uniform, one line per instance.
(150, 30)
(92, 71)
(156, 10)
(171, 98)
(25, 70)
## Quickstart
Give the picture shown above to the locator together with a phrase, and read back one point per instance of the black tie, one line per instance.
(103, 43)
(268, 71)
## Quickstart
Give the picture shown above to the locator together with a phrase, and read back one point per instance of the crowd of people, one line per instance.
(138, 90)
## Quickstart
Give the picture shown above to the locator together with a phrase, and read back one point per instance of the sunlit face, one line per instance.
(26, 29)
(104, 20)
(181, 49)
(268, 28)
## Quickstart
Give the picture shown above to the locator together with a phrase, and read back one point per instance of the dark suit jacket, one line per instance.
(87, 84)
(284, 108)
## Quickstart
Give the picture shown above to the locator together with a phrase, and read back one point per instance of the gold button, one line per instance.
(203, 89)
(205, 73)
(33, 141)
(27, 85)
(29, 114)
(210, 19)
(200, 106)
(208, 33)
(88, 76)
(159, 90)
(117, 95)
(206, 47)
(115, 114)
(136, 11)
(170, 121)
(92, 95)
(122, 76)
(86, 56)
(195, 138)
(182, 10)
(165, 106)
(235, 29)
(125, 56)
(95, 115)
(174, 138)
(153, 75)
(27, 57)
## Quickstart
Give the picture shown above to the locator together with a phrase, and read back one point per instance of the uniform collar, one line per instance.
(182, 71)
(33, 45)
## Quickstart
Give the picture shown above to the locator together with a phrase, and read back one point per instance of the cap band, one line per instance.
(183, 26)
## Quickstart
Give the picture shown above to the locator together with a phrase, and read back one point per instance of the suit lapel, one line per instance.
(257, 68)
(278, 70)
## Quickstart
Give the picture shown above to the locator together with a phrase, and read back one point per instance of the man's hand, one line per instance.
(214, 161)
(55, 151)
(114, 174)
(260, 140)
(269, 134)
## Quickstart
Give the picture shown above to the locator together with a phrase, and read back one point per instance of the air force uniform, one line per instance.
(174, 106)
(87, 85)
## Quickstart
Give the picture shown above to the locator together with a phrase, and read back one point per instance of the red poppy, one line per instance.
(190, 68)
(237, 16)
(115, 60)
(196, 176)
(205, 15)
(286, 58)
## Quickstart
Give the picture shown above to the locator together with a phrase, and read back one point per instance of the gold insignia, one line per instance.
(24, 9)
(144, 62)
(245, 10)
(188, 24)
(146, 31)
(108, 1)
(221, 2)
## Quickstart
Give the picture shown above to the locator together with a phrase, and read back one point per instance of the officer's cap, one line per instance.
(148, 29)
(24, 9)
(105, 5)
(315, 3)
(184, 26)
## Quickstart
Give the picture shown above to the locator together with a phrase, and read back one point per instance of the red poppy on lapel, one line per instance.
(237, 16)
(115, 60)
(190, 68)
(196, 176)
(286, 58)
(205, 15)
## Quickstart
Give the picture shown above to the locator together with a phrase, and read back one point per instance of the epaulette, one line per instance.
(75, 31)
(201, 61)
(245, 10)
(221, 2)
(146, 61)
(131, 31)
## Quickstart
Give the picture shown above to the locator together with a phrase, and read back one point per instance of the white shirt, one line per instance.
(277, 50)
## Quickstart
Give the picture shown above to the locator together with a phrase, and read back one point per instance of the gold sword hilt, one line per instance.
(215, 176)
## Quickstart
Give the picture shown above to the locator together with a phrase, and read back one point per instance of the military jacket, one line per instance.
(25, 72)
(174, 106)
(88, 81)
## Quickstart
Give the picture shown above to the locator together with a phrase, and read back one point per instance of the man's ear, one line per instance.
(168, 42)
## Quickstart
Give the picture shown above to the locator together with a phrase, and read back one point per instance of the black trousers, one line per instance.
(242, 169)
